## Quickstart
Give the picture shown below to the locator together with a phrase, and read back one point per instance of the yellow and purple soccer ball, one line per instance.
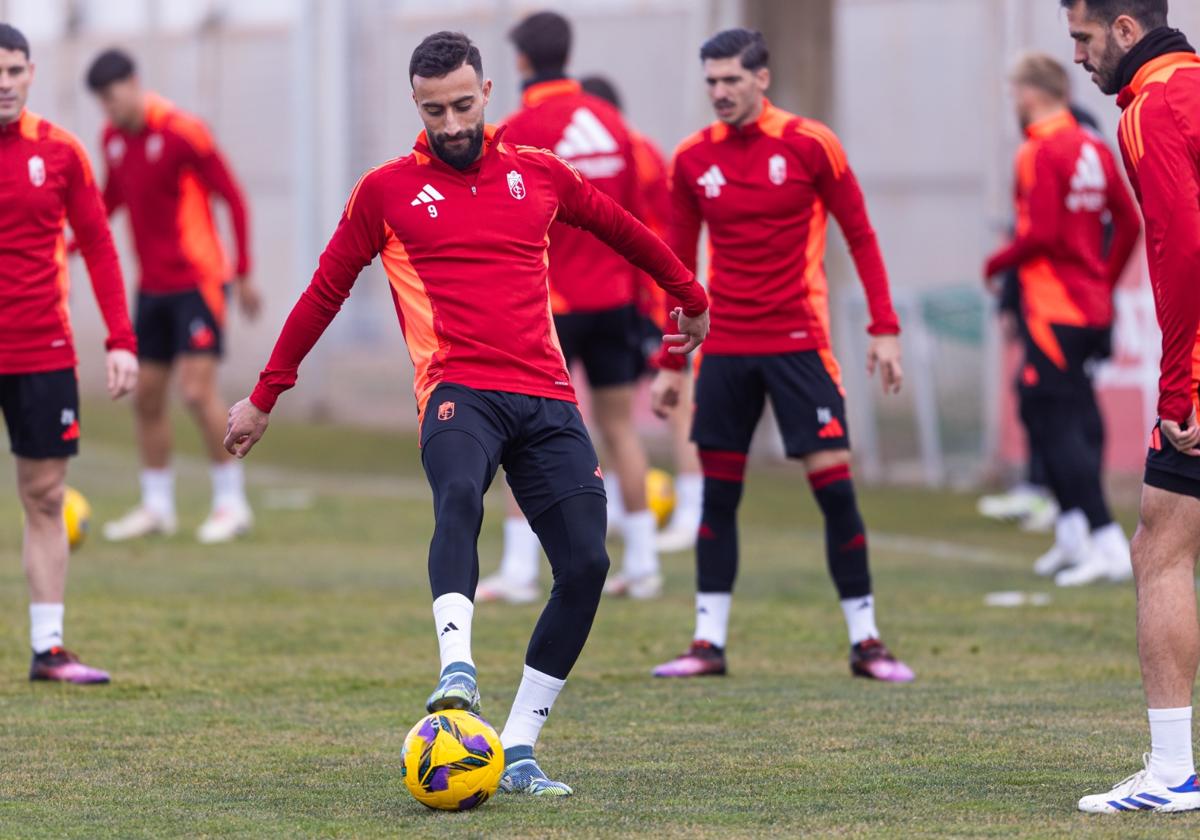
(452, 760)
(660, 495)
(77, 515)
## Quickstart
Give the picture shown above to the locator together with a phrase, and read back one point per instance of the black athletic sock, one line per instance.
(572, 534)
(459, 474)
(845, 534)
(717, 546)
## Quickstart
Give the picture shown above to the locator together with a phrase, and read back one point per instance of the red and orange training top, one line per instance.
(1066, 183)
(165, 174)
(765, 190)
(590, 134)
(46, 183)
(465, 253)
(1160, 142)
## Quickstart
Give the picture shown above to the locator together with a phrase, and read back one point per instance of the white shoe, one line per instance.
(499, 588)
(680, 533)
(1016, 504)
(644, 588)
(1143, 792)
(1111, 543)
(1096, 567)
(1051, 563)
(138, 523)
(225, 524)
(1042, 515)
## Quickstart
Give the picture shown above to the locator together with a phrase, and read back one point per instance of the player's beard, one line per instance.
(1106, 71)
(459, 158)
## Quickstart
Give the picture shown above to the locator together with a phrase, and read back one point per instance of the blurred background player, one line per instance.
(163, 166)
(680, 532)
(492, 388)
(1067, 184)
(593, 295)
(762, 180)
(1154, 72)
(45, 183)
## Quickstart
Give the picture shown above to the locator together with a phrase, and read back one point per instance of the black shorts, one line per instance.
(609, 343)
(1169, 469)
(1069, 374)
(809, 406)
(541, 443)
(41, 411)
(175, 324)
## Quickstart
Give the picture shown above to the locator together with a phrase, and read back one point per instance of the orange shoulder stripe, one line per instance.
(61, 135)
(690, 141)
(828, 142)
(194, 132)
(358, 186)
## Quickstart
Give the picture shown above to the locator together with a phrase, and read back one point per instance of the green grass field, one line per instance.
(264, 689)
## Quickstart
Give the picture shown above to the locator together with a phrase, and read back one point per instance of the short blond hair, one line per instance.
(1043, 72)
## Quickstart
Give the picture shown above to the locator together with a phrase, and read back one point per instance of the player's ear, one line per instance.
(1127, 31)
(487, 90)
(763, 77)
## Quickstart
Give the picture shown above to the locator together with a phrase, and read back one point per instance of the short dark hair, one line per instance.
(108, 68)
(545, 39)
(1151, 14)
(11, 38)
(747, 44)
(602, 87)
(442, 53)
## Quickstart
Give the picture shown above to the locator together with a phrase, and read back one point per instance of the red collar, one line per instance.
(491, 145)
(1157, 70)
(1051, 125)
(540, 92)
(25, 125)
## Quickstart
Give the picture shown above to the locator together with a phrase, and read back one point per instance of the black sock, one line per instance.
(845, 534)
(717, 546)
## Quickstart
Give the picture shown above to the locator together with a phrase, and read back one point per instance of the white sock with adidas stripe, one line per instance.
(530, 709)
(452, 615)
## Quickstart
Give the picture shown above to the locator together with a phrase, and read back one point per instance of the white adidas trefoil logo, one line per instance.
(588, 145)
(1089, 183)
(712, 181)
(427, 196)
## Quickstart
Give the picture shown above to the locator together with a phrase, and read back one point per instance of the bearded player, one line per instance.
(463, 209)
(763, 181)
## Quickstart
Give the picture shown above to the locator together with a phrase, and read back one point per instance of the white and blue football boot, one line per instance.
(523, 775)
(457, 689)
(1143, 792)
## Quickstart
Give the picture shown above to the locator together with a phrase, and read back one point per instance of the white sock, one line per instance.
(45, 626)
(530, 709)
(452, 614)
(158, 492)
(228, 485)
(1171, 745)
(641, 557)
(519, 562)
(689, 499)
(860, 618)
(616, 502)
(1071, 534)
(712, 617)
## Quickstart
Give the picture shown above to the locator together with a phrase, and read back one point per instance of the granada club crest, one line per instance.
(446, 410)
(777, 169)
(154, 147)
(516, 185)
(37, 171)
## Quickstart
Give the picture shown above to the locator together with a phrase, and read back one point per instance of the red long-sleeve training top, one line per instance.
(1160, 142)
(1066, 181)
(765, 191)
(164, 174)
(465, 254)
(45, 183)
(590, 134)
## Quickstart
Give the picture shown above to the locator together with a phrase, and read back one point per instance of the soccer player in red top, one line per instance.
(461, 227)
(1155, 74)
(680, 533)
(593, 295)
(46, 183)
(163, 168)
(763, 181)
(1066, 186)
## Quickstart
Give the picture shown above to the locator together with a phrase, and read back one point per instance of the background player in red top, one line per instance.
(163, 167)
(680, 533)
(45, 183)
(1066, 186)
(592, 288)
(763, 181)
(1155, 73)
(492, 387)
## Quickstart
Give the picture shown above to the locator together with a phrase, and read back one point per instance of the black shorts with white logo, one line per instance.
(805, 391)
(41, 411)
(175, 324)
(541, 443)
(1169, 469)
(608, 342)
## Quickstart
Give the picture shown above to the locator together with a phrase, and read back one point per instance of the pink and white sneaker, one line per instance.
(60, 665)
(872, 659)
(703, 659)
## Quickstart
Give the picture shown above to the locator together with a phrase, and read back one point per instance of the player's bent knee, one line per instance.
(43, 500)
(459, 502)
